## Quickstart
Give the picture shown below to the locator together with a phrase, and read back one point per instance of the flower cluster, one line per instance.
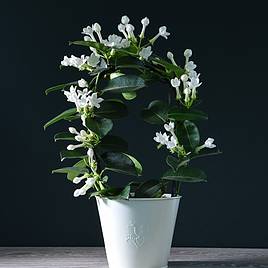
(189, 81)
(170, 141)
(87, 139)
(89, 177)
(83, 98)
(85, 62)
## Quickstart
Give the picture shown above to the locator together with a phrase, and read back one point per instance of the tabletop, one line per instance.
(85, 257)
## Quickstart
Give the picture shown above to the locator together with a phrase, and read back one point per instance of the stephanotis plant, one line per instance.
(120, 66)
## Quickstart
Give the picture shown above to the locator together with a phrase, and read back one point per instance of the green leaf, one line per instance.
(149, 189)
(173, 162)
(113, 193)
(61, 116)
(112, 143)
(59, 87)
(156, 113)
(112, 109)
(72, 174)
(64, 136)
(170, 68)
(78, 170)
(101, 126)
(179, 114)
(129, 95)
(72, 154)
(121, 163)
(206, 152)
(93, 44)
(188, 135)
(137, 164)
(124, 83)
(185, 174)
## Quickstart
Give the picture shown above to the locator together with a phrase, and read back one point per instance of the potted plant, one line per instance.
(137, 219)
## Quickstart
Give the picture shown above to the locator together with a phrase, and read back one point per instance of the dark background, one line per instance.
(230, 48)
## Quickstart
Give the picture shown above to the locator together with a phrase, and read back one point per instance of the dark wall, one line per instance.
(230, 49)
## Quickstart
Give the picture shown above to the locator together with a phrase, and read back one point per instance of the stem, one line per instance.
(178, 187)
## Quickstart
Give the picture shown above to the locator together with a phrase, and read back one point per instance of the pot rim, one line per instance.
(144, 198)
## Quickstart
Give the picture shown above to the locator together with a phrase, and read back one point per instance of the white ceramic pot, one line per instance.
(138, 232)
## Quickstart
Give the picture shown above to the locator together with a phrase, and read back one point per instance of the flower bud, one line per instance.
(184, 77)
(96, 27)
(73, 130)
(188, 53)
(125, 19)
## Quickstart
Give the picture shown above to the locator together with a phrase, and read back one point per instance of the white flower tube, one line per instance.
(145, 22)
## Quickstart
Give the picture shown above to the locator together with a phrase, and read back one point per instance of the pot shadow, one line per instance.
(211, 264)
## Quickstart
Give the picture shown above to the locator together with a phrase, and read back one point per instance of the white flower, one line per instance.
(97, 28)
(88, 184)
(209, 143)
(194, 81)
(163, 32)
(187, 54)
(82, 136)
(187, 92)
(94, 101)
(116, 41)
(145, 22)
(93, 60)
(65, 61)
(82, 83)
(73, 130)
(83, 98)
(90, 154)
(190, 66)
(130, 30)
(161, 138)
(170, 56)
(125, 19)
(184, 77)
(77, 180)
(172, 143)
(122, 28)
(146, 52)
(74, 61)
(89, 31)
(169, 127)
(175, 82)
(72, 147)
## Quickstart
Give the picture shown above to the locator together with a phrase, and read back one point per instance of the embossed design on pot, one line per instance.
(135, 235)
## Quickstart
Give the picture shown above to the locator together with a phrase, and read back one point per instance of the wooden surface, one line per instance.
(95, 257)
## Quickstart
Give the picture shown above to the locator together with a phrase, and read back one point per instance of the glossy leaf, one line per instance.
(169, 67)
(72, 174)
(61, 116)
(93, 44)
(156, 113)
(121, 163)
(188, 135)
(129, 95)
(64, 136)
(124, 83)
(185, 174)
(112, 109)
(113, 193)
(180, 114)
(72, 154)
(206, 152)
(173, 162)
(100, 126)
(149, 189)
(59, 87)
(78, 170)
(113, 144)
